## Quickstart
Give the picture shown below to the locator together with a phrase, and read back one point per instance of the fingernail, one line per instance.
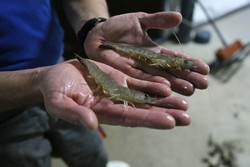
(170, 118)
(188, 89)
(166, 82)
(171, 121)
(186, 119)
(185, 115)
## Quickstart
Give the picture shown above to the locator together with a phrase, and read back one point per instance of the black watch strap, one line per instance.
(82, 34)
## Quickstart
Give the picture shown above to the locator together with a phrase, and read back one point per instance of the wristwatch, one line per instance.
(82, 34)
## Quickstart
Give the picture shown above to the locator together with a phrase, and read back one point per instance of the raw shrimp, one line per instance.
(113, 89)
(152, 58)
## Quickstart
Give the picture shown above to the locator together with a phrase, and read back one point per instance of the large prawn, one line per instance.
(112, 89)
(152, 58)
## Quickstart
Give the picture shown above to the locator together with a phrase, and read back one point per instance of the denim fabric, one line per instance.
(30, 137)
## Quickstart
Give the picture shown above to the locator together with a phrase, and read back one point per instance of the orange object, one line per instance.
(102, 133)
(227, 53)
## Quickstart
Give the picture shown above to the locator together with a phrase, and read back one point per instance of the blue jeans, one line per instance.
(29, 138)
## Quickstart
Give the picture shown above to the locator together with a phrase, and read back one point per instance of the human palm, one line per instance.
(69, 94)
(131, 29)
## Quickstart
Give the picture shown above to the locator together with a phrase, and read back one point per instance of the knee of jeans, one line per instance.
(96, 159)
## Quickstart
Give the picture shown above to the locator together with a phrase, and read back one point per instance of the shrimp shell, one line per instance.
(112, 89)
(152, 58)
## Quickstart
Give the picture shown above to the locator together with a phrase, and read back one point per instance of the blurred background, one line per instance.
(217, 32)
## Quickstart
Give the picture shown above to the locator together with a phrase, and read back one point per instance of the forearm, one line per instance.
(79, 11)
(19, 89)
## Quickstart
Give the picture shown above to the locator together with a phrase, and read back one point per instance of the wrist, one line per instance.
(87, 27)
(36, 81)
(20, 89)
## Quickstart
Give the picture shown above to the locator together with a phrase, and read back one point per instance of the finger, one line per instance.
(152, 88)
(199, 81)
(145, 75)
(200, 66)
(178, 85)
(181, 118)
(66, 109)
(135, 117)
(130, 67)
(181, 86)
(145, 72)
(196, 76)
(87, 117)
(172, 102)
(160, 20)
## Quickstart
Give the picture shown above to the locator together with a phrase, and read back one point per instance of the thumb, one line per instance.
(160, 20)
(87, 118)
(70, 111)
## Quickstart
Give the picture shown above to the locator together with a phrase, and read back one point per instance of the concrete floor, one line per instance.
(222, 111)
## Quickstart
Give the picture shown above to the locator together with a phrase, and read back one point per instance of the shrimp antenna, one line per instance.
(178, 41)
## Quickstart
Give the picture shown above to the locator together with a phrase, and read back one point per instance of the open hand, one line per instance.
(69, 95)
(131, 29)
